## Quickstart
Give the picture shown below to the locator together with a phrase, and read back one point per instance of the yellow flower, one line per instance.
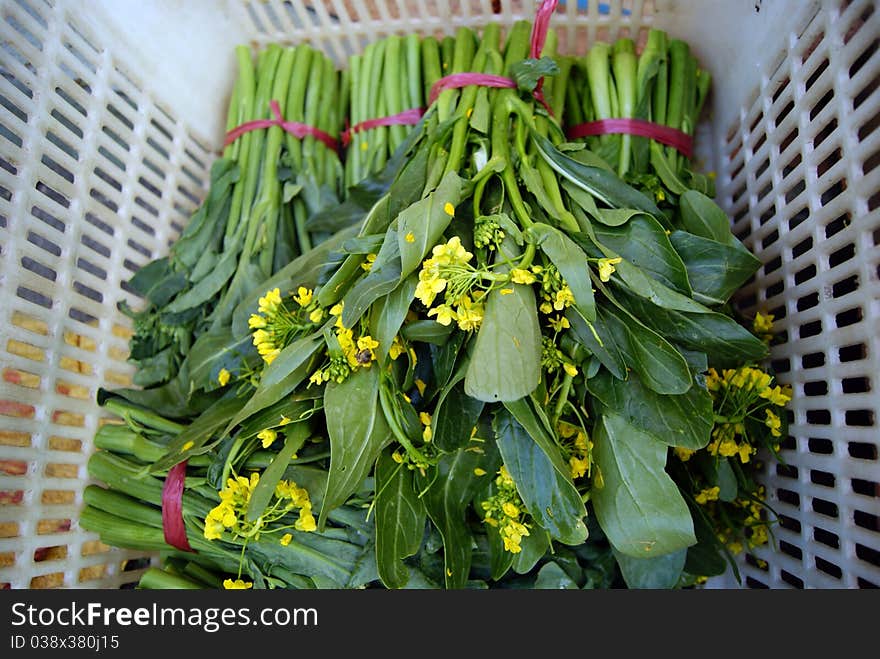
(708, 494)
(306, 521)
(336, 309)
(449, 209)
(223, 377)
(396, 348)
(270, 302)
(317, 378)
(479, 472)
(510, 509)
(427, 289)
(270, 356)
(506, 291)
(303, 296)
(745, 452)
(316, 316)
(469, 314)
(777, 395)
(368, 264)
(546, 308)
(578, 466)
(397, 457)
(570, 369)
(773, 422)
(728, 448)
(520, 276)
(684, 454)
(238, 584)
(445, 314)
(187, 446)
(763, 324)
(267, 436)
(285, 539)
(451, 252)
(559, 323)
(410, 237)
(606, 268)
(563, 298)
(256, 321)
(367, 342)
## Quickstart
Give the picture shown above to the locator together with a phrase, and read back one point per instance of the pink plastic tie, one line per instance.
(172, 508)
(539, 37)
(664, 134)
(295, 128)
(406, 118)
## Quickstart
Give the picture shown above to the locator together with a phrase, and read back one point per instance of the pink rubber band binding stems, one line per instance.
(173, 527)
(677, 139)
(406, 118)
(295, 128)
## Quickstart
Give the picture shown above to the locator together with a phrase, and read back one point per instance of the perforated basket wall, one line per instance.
(111, 113)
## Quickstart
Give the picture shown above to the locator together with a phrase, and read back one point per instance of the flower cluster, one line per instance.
(745, 522)
(744, 398)
(488, 232)
(230, 514)
(578, 447)
(448, 271)
(554, 292)
(505, 512)
(277, 324)
(348, 351)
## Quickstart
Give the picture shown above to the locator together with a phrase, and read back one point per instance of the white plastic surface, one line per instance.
(111, 112)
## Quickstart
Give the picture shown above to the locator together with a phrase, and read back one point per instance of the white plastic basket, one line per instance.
(111, 112)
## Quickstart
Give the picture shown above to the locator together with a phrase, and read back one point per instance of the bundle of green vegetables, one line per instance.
(507, 367)
(261, 191)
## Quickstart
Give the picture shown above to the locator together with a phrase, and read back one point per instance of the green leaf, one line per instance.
(602, 344)
(427, 331)
(384, 276)
(388, 314)
(704, 218)
(525, 414)
(421, 225)
(604, 185)
(649, 288)
(550, 497)
(212, 351)
(357, 431)
(571, 262)
(157, 282)
(295, 436)
(727, 485)
(706, 557)
(200, 435)
(726, 342)
(657, 573)
(208, 287)
(684, 420)
(661, 366)
(644, 243)
(454, 417)
(527, 72)
(400, 520)
(665, 171)
(532, 549)
(716, 271)
(282, 376)
(448, 491)
(638, 507)
(505, 363)
(553, 577)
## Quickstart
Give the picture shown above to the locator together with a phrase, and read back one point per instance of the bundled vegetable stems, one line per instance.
(663, 84)
(511, 354)
(253, 220)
